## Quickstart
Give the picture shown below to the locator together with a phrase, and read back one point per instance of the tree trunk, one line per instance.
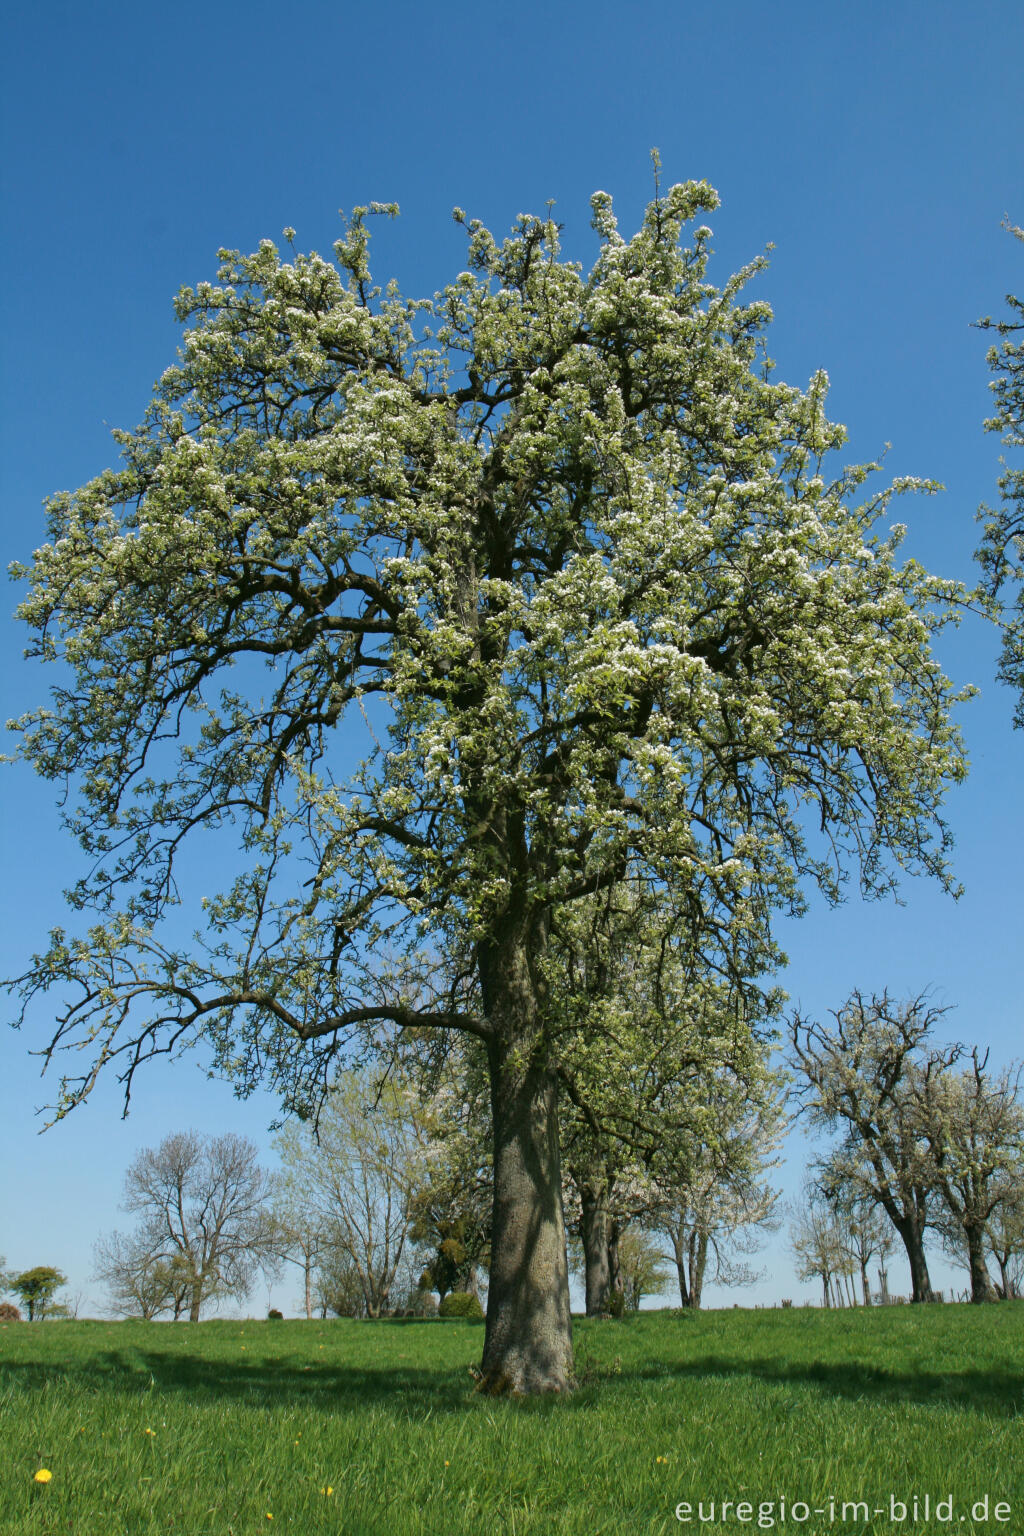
(981, 1281)
(680, 1251)
(698, 1264)
(614, 1267)
(865, 1284)
(594, 1233)
(528, 1340)
(913, 1241)
(1006, 1290)
(308, 1268)
(196, 1300)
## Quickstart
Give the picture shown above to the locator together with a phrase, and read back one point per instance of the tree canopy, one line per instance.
(563, 557)
(1002, 547)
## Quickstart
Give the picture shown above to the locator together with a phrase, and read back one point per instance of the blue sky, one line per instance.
(878, 146)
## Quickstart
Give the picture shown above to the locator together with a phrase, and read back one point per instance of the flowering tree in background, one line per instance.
(861, 1074)
(567, 557)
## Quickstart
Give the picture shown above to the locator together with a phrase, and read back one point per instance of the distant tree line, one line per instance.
(930, 1139)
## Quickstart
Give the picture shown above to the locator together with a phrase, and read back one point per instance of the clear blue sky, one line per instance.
(877, 146)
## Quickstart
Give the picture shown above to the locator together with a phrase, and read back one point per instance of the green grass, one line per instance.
(207, 1429)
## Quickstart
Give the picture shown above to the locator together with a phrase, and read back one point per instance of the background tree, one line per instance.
(648, 1039)
(339, 1286)
(713, 1202)
(359, 1167)
(865, 1229)
(817, 1242)
(642, 1264)
(203, 1201)
(973, 1122)
(862, 1075)
(299, 1232)
(37, 1288)
(1001, 552)
(575, 548)
(142, 1282)
(1005, 1238)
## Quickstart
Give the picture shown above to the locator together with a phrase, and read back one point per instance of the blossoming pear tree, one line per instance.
(559, 552)
(1001, 552)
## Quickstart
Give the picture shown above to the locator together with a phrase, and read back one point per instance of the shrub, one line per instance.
(9, 1312)
(616, 1303)
(274, 1316)
(461, 1304)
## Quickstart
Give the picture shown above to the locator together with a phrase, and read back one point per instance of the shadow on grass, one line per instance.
(274, 1382)
(988, 1389)
(280, 1381)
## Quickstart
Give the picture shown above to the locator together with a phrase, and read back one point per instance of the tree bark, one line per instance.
(982, 1288)
(912, 1237)
(865, 1283)
(528, 1340)
(594, 1233)
(680, 1250)
(614, 1266)
(698, 1264)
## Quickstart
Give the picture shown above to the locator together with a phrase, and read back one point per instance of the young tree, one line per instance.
(817, 1242)
(1001, 552)
(37, 1287)
(865, 1227)
(713, 1202)
(642, 1264)
(203, 1201)
(862, 1074)
(299, 1232)
(569, 551)
(358, 1170)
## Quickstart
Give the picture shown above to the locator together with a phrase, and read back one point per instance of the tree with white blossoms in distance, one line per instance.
(569, 552)
(1005, 1238)
(973, 1122)
(817, 1240)
(1001, 552)
(860, 1074)
(710, 1196)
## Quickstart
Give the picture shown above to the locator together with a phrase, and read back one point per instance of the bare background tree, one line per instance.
(202, 1201)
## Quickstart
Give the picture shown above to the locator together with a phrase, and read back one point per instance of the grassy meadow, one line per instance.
(225, 1428)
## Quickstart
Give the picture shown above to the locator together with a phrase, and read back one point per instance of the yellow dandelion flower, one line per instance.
(663, 1459)
(43, 1475)
(327, 1491)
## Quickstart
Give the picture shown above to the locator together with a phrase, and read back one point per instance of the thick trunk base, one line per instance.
(594, 1232)
(528, 1340)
